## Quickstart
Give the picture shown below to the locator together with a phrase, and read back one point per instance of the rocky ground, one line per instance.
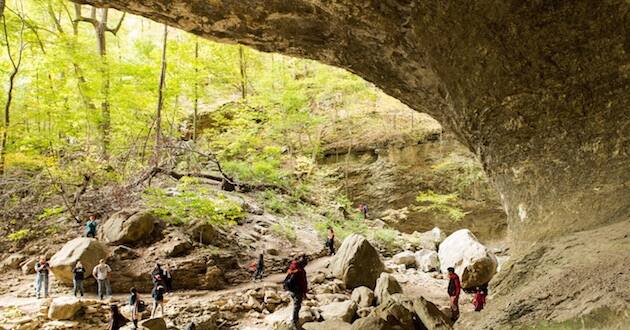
(356, 287)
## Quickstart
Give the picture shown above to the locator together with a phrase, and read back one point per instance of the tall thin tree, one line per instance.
(101, 29)
(243, 69)
(196, 92)
(160, 103)
(16, 62)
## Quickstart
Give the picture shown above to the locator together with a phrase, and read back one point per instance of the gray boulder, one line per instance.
(357, 263)
(128, 226)
(87, 250)
(386, 285)
(157, 323)
(343, 310)
(427, 260)
(363, 296)
(473, 262)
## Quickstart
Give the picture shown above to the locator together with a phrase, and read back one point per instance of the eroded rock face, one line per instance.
(128, 226)
(523, 85)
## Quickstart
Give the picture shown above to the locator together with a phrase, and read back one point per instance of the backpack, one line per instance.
(142, 306)
(291, 283)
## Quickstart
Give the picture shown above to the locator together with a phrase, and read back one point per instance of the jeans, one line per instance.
(297, 305)
(41, 279)
(258, 274)
(157, 303)
(77, 287)
(104, 288)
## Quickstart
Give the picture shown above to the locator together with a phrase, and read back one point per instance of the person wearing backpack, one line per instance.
(90, 227)
(77, 281)
(158, 300)
(296, 283)
(454, 289)
(479, 300)
(260, 267)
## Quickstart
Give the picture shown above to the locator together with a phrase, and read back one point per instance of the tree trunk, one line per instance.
(196, 92)
(158, 116)
(106, 122)
(243, 69)
(15, 64)
(1, 7)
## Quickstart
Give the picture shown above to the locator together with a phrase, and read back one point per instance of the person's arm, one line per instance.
(94, 272)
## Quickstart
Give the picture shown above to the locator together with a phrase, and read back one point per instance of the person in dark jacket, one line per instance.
(330, 241)
(134, 302)
(298, 286)
(158, 299)
(77, 281)
(168, 278)
(260, 267)
(454, 289)
(116, 320)
(479, 300)
(157, 275)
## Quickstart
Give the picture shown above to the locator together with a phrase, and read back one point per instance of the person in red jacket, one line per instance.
(454, 289)
(296, 283)
(480, 299)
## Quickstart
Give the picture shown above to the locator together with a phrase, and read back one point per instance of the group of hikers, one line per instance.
(161, 277)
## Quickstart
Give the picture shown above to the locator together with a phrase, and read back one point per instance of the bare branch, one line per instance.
(115, 30)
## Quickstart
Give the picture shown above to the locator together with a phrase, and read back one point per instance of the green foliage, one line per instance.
(286, 230)
(463, 173)
(191, 203)
(440, 203)
(19, 235)
(276, 204)
(51, 211)
(385, 236)
(342, 229)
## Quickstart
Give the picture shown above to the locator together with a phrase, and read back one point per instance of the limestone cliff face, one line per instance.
(389, 177)
(539, 90)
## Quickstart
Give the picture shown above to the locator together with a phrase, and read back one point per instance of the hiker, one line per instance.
(363, 208)
(134, 302)
(260, 267)
(101, 274)
(479, 300)
(158, 299)
(168, 278)
(116, 320)
(454, 288)
(296, 283)
(330, 242)
(42, 268)
(90, 227)
(77, 280)
(157, 275)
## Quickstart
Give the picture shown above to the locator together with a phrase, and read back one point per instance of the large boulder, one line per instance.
(430, 315)
(405, 258)
(343, 310)
(396, 312)
(87, 250)
(473, 262)
(12, 262)
(63, 308)
(363, 296)
(28, 266)
(427, 260)
(386, 285)
(372, 323)
(157, 323)
(128, 226)
(357, 263)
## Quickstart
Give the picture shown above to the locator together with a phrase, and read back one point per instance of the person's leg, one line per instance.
(162, 308)
(75, 286)
(154, 311)
(297, 305)
(81, 287)
(454, 307)
(38, 285)
(46, 286)
(100, 288)
(108, 287)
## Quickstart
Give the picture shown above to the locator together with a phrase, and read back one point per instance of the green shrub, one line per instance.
(440, 203)
(19, 235)
(190, 205)
(286, 230)
(342, 229)
(385, 236)
(48, 212)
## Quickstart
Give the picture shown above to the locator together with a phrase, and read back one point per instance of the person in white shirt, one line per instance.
(101, 273)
